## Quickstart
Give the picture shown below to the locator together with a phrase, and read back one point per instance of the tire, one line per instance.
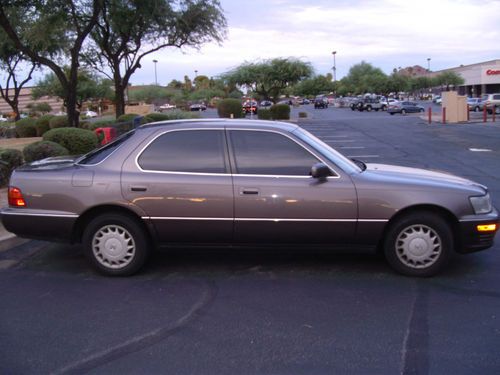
(403, 111)
(476, 109)
(376, 109)
(369, 108)
(421, 110)
(419, 244)
(384, 108)
(104, 239)
(391, 113)
(353, 108)
(497, 110)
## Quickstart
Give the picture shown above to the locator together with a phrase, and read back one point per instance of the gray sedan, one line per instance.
(240, 182)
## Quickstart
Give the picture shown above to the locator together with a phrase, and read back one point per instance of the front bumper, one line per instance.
(471, 239)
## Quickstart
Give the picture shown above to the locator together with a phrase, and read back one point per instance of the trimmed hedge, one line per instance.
(127, 117)
(77, 141)
(228, 107)
(171, 115)
(26, 128)
(57, 122)
(43, 149)
(9, 160)
(280, 112)
(42, 125)
(97, 124)
(8, 130)
(264, 114)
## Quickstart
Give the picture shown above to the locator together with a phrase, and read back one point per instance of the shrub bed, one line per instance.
(42, 124)
(264, 114)
(58, 122)
(75, 140)
(43, 149)
(26, 128)
(171, 115)
(280, 112)
(9, 159)
(228, 107)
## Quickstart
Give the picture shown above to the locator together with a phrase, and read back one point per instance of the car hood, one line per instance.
(421, 176)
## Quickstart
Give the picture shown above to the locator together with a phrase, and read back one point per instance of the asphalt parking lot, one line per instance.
(222, 311)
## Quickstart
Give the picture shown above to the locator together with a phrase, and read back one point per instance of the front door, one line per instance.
(181, 180)
(276, 200)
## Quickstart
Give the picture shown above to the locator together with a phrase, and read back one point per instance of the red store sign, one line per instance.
(491, 72)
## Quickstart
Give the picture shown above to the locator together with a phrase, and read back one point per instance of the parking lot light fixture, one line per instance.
(156, 77)
(334, 67)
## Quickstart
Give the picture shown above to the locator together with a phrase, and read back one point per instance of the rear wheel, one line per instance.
(369, 108)
(116, 244)
(419, 244)
(403, 111)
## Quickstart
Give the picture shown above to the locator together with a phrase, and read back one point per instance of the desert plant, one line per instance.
(26, 128)
(43, 149)
(228, 107)
(59, 122)
(42, 125)
(75, 140)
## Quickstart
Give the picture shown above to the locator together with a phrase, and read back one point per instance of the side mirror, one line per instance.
(320, 170)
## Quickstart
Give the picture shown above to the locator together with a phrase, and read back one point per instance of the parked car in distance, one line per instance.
(404, 108)
(198, 107)
(266, 103)
(320, 102)
(369, 104)
(437, 100)
(304, 101)
(475, 104)
(250, 107)
(3, 119)
(491, 101)
(236, 182)
(89, 113)
(166, 107)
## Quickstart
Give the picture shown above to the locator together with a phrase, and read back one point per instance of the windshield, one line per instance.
(98, 155)
(334, 156)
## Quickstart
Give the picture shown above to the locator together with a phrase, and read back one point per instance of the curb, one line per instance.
(9, 241)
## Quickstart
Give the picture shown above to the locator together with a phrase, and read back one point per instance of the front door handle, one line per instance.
(138, 188)
(249, 191)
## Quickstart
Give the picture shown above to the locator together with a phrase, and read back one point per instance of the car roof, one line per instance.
(227, 123)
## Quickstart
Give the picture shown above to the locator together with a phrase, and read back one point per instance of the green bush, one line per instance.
(264, 114)
(26, 128)
(42, 124)
(302, 114)
(97, 124)
(43, 149)
(8, 130)
(127, 117)
(228, 107)
(57, 122)
(280, 112)
(9, 160)
(76, 140)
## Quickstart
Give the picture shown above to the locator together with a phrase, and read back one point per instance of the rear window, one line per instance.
(96, 156)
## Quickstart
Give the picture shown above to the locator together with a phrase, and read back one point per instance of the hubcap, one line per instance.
(113, 246)
(418, 246)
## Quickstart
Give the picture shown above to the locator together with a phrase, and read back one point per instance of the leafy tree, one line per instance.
(269, 78)
(448, 79)
(365, 78)
(51, 31)
(175, 84)
(314, 86)
(127, 31)
(89, 87)
(11, 61)
(151, 94)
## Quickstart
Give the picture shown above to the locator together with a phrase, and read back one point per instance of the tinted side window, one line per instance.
(267, 153)
(200, 151)
(496, 97)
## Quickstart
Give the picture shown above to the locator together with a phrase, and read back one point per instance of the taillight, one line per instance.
(16, 198)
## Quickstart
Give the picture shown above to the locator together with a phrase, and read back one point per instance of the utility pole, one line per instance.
(156, 77)
(334, 67)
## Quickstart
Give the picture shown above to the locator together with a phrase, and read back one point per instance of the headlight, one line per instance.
(481, 205)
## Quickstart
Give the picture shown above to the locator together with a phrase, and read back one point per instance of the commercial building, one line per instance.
(480, 78)
(25, 98)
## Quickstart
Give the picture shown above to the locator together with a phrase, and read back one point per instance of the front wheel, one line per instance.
(403, 111)
(419, 244)
(497, 110)
(383, 108)
(421, 110)
(116, 244)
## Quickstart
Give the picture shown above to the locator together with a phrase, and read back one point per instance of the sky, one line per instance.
(385, 33)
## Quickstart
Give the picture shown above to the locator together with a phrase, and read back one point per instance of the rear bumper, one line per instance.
(39, 224)
(471, 239)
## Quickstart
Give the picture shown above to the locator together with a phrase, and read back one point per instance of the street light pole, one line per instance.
(428, 64)
(334, 67)
(156, 77)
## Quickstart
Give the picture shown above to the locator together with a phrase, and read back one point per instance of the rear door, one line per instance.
(181, 180)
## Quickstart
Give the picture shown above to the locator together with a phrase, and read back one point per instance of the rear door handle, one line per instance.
(138, 188)
(249, 191)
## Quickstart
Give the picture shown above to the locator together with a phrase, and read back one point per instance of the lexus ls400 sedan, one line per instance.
(241, 182)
